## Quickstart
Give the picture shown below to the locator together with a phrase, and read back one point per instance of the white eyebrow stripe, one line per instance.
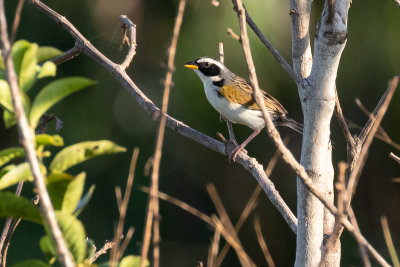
(213, 61)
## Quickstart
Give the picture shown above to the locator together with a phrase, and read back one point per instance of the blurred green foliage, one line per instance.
(107, 111)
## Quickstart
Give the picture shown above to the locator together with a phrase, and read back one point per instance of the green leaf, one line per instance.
(84, 201)
(47, 70)
(48, 249)
(27, 74)
(21, 172)
(75, 154)
(18, 207)
(53, 93)
(65, 191)
(47, 52)
(5, 96)
(6, 169)
(31, 263)
(18, 51)
(132, 261)
(49, 140)
(9, 118)
(73, 233)
(8, 154)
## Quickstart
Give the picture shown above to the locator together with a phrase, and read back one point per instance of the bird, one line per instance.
(232, 97)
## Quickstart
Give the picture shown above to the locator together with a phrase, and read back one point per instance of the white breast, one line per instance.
(232, 111)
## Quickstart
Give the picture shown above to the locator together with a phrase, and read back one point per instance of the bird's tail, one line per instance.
(290, 123)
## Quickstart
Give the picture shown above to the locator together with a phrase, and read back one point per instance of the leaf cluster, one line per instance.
(66, 190)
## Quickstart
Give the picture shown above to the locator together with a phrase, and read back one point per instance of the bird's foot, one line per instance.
(235, 151)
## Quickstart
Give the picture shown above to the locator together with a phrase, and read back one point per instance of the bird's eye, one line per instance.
(206, 64)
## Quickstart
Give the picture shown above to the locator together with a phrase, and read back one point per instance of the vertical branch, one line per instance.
(27, 140)
(300, 11)
(153, 203)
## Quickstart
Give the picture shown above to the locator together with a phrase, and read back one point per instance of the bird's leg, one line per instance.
(232, 138)
(242, 145)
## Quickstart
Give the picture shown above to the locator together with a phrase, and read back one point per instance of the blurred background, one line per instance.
(107, 111)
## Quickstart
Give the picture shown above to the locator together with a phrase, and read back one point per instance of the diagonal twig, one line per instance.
(281, 60)
(118, 250)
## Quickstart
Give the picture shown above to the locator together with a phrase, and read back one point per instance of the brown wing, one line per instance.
(239, 91)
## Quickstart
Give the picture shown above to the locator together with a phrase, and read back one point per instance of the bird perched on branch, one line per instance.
(232, 97)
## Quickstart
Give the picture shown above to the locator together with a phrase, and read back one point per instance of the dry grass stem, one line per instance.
(234, 242)
(252, 202)
(262, 243)
(117, 251)
(153, 205)
(213, 251)
(363, 250)
(202, 216)
(389, 242)
(227, 224)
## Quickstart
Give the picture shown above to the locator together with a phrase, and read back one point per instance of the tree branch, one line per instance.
(27, 140)
(248, 163)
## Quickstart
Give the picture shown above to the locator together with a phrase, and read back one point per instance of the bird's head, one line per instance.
(209, 70)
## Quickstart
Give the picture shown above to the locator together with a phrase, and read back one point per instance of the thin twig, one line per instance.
(389, 241)
(117, 251)
(228, 226)
(17, 19)
(342, 121)
(252, 202)
(242, 255)
(233, 34)
(213, 252)
(68, 55)
(153, 205)
(367, 136)
(363, 250)
(396, 158)
(132, 41)
(262, 243)
(281, 60)
(107, 246)
(202, 216)
(27, 140)
(380, 133)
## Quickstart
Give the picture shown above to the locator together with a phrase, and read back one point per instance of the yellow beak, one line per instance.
(191, 66)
